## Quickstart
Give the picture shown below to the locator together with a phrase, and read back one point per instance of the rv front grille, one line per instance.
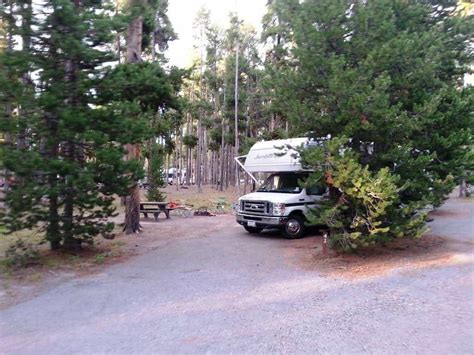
(256, 207)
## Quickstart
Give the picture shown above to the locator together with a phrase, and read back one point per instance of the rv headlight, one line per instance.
(278, 209)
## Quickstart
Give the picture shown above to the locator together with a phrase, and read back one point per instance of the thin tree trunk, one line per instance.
(8, 107)
(69, 242)
(187, 180)
(228, 166)
(462, 188)
(53, 234)
(188, 166)
(199, 152)
(212, 168)
(26, 42)
(193, 168)
(222, 162)
(50, 147)
(205, 158)
(117, 37)
(179, 167)
(197, 162)
(236, 116)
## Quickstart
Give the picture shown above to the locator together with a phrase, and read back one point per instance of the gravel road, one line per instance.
(231, 292)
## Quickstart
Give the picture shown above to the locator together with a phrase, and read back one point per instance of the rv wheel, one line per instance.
(253, 230)
(294, 227)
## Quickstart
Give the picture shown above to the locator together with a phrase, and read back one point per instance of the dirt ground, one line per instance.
(308, 253)
(23, 283)
(427, 251)
(52, 268)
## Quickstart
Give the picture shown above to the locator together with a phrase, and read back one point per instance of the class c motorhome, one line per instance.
(280, 202)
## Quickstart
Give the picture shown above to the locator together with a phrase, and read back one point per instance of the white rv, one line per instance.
(280, 202)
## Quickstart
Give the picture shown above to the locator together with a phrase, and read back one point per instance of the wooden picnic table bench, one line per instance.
(156, 208)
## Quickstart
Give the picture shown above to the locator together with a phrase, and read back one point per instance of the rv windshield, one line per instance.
(283, 183)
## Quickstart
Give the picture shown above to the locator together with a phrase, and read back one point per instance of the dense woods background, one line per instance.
(90, 106)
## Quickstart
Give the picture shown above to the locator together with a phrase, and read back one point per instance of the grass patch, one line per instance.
(21, 254)
(24, 255)
(20, 250)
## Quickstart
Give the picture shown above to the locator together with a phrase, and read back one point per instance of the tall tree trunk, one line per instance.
(205, 157)
(53, 234)
(69, 242)
(8, 109)
(51, 150)
(223, 132)
(228, 164)
(188, 166)
(188, 152)
(197, 162)
(200, 143)
(27, 14)
(236, 117)
(132, 202)
(118, 36)
(177, 157)
(463, 188)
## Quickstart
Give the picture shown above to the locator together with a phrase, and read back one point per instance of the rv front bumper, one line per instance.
(261, 221)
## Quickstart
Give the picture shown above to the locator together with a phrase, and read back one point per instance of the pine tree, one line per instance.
(70, 164)
(156, 179)
(385, 74)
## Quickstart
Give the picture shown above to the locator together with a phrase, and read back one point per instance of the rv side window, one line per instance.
(316, 190)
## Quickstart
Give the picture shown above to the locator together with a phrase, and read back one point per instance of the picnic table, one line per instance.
(156, 208)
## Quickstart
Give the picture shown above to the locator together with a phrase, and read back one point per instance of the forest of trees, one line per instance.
(87, 96)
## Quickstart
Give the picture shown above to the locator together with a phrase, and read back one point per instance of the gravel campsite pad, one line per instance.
(203, 284)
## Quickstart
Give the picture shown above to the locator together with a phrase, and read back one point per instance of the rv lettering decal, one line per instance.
(265, 156)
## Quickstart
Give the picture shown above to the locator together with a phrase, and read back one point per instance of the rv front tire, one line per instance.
(294, 227)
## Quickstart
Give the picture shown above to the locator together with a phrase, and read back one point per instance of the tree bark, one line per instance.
(132, 201)
(236, 117)
(27, 15)
(222, 157)
(462, 188)
(200, 143)
(53, 234)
